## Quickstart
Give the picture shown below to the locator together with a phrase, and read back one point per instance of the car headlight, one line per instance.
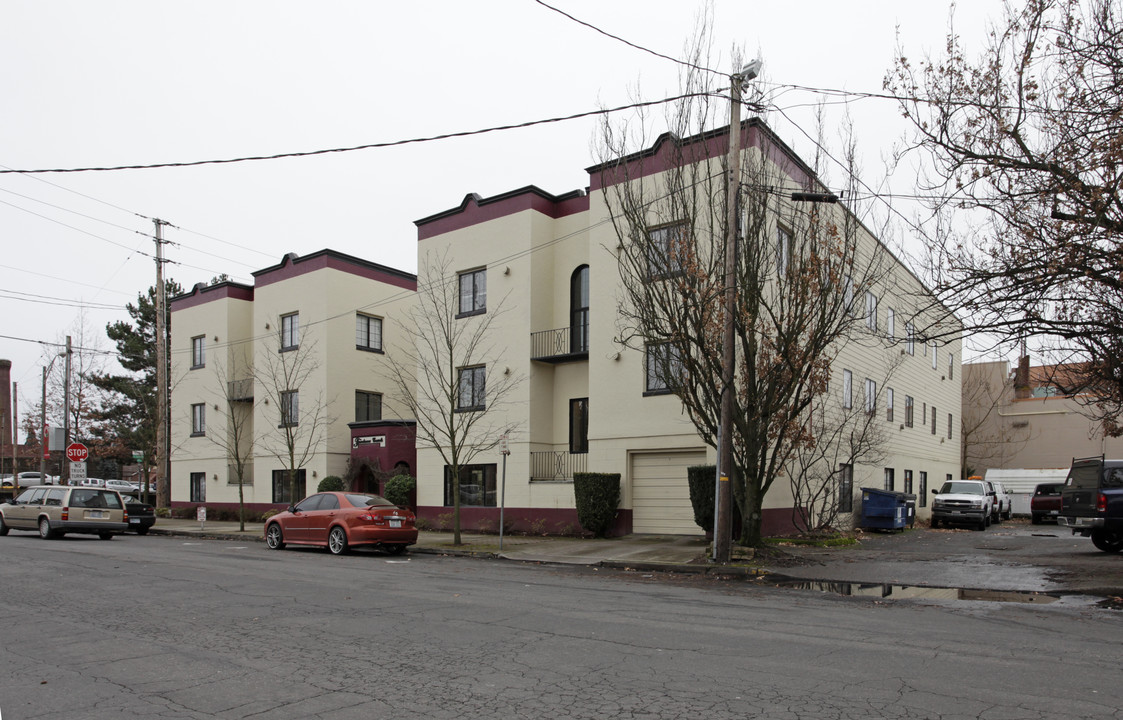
(977, 504)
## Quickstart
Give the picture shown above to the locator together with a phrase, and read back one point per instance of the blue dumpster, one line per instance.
(884, 509)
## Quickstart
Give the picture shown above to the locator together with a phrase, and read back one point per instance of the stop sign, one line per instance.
(77, 452)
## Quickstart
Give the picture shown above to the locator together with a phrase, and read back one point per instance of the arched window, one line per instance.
(579, 310)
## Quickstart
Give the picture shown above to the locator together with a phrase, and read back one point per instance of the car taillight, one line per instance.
(126, 516)
(1101, 503)
(66, 513)
(367, 517)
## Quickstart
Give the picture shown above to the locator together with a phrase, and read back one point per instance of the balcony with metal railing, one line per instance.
(240, 390)
(556, 465)
(568, 344)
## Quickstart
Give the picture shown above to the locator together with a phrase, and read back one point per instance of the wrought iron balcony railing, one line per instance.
(561, 345)
(556, 465)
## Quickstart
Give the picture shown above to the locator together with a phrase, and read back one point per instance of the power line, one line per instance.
(369, 146)
(629, 43)
(46, 300)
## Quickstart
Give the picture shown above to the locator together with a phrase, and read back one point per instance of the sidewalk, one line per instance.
(636, 551)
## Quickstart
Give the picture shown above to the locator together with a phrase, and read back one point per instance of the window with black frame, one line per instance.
(579, 425)
(477, 486)
(282, 488)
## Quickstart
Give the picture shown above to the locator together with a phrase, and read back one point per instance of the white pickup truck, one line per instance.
(963, 502)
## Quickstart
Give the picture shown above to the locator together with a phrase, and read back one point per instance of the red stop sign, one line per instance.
(77, 452)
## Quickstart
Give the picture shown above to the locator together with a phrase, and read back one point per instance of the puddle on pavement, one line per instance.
(922, 592)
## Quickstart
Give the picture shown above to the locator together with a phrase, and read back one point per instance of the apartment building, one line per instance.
(590, 402)
(286, 374)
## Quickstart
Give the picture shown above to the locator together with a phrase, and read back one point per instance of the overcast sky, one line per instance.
(138, 82)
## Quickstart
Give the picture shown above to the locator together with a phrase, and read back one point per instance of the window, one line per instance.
(889, 404)
(910, 339)
(477, 486)
(198, 420)
(890, 323)
(198, 352)
(579, 425)
(290, 408)
(471, 383)
(871, 396)
(664, 367)
(871, 311)
(473, 292)
(368, 333)
(845, 488)
(198, 487)
(290, 331)
(889, 479)
(848, 294)
(933, 419)
(368, 406)
(951, 366)
(283, 491)
(579, 310)
(908, 410)
(949, 426)
(935, 366)
(908, 481)
(847, 389)
(783, 250)
(923, 476)
(666, 246)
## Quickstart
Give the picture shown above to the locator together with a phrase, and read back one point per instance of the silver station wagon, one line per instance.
(55, 510)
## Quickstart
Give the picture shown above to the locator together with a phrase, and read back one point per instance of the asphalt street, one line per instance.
(172, 627)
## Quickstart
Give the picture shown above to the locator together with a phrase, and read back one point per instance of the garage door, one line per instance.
(660, 493)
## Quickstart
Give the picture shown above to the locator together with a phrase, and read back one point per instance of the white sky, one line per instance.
(135, 82)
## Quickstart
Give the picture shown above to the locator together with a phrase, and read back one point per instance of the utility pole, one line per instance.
(43, 429)
(15, 432)
(163, 487)
(724, 494)
(64, 473)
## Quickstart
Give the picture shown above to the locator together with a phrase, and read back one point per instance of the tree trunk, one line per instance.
(751, 516)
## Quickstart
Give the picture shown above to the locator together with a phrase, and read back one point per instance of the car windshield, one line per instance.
(368, 500)
(965, 488)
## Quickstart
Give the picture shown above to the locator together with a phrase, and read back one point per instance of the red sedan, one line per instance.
(342, 520)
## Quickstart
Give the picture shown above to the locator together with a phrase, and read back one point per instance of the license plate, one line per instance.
(1054, 512)
(133, 520)
(98, 515)
(396, 523)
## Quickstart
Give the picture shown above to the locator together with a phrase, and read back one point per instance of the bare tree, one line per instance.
(986, 439)
(235, 392)
(297, 418)
(447, 377)
(1025, 180)
(801, 271)
(822, 470)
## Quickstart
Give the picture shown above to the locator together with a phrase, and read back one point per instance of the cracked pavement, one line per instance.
(160, 627)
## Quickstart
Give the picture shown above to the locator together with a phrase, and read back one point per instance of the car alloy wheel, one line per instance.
(274, 538)
(337, 541)
(1108, 540)
(45, 530)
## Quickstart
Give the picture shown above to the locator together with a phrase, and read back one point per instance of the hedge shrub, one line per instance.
(332, 483)
(701, 481)
(597, 496)
(398, 489)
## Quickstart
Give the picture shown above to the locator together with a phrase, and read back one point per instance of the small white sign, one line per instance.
(201, 513)
(78, 470)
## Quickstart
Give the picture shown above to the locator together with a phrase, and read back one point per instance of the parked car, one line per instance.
(1045, 503)
(968, 502)
(1003, 503)
(90, 482)
(141, 515)
(121, 486)
(1092, 501)
(27, 479)
(56, 510)
(342, 520)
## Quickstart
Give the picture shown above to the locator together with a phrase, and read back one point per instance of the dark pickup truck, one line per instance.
(1092, 501)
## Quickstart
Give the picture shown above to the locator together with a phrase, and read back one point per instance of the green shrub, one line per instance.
(268, 514)
(399, 488)
(701, 481)
(332, 483)
(597, 496)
